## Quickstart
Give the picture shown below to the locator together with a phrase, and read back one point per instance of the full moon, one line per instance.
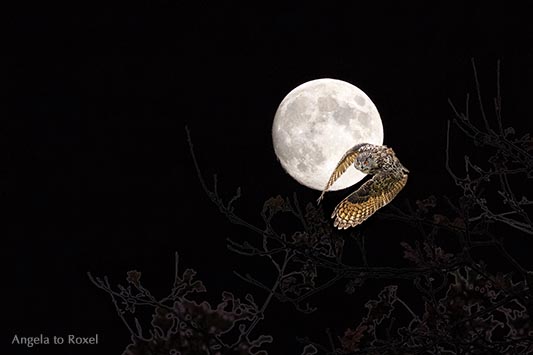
(316, 123)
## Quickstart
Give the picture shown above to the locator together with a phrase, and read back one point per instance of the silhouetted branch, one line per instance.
(182, 325)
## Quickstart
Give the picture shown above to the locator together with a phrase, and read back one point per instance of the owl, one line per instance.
(389, 177)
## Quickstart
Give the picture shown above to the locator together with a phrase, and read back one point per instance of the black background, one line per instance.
(99, 176)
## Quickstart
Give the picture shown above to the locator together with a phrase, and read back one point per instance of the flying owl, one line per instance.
(389, 177)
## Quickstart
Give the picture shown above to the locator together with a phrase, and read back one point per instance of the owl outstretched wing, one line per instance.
(345, 162)
(364, 202)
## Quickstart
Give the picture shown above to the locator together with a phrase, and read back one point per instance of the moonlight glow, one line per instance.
(316, 123)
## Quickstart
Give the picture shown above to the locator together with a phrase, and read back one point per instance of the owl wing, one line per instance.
(345, 162)
(371, 196)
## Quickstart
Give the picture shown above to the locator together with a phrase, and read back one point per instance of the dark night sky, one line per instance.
(98, 175)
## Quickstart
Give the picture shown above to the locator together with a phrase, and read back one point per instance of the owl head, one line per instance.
(366, 162)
